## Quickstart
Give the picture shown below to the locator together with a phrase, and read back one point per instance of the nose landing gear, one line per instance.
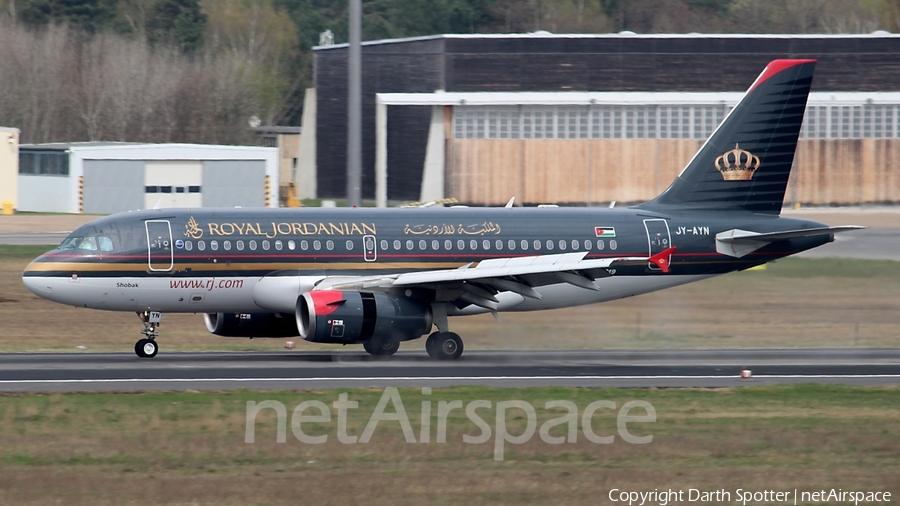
(147, 347)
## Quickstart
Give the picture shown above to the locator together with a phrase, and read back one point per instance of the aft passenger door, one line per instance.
(160, 254)
(658, 237)
(369, 248)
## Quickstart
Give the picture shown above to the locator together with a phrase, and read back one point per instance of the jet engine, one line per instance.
(331, 316)
(251, 324)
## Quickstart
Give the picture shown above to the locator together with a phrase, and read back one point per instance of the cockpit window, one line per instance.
(101, 243)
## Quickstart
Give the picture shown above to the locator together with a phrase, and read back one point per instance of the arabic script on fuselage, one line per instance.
(487, 227)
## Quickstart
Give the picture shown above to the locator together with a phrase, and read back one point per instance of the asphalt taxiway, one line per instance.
(43, 372)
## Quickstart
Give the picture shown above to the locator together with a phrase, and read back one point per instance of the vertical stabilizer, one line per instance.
(745, 164)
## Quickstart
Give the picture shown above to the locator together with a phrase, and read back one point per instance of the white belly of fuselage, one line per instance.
(243, 295)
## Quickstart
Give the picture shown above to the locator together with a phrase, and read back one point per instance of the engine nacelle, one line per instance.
(251, 324)
(331, 316)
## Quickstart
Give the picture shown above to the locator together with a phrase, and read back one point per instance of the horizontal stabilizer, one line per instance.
(738, 243)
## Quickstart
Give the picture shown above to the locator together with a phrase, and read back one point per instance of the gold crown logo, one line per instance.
(737, 164)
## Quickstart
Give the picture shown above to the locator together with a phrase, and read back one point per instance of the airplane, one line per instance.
(380, 277)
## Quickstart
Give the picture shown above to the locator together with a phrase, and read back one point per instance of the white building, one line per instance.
(105, 178)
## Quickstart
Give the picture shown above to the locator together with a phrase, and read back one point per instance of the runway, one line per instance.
(61, 372)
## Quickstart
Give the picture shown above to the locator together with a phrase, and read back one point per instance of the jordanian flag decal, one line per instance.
(605, 231)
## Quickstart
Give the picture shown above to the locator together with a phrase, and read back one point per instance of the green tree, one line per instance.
(180, 22)
(88, 15)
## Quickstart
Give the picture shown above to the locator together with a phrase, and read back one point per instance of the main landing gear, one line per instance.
(147, 347)
(381, 347)
(444, 346)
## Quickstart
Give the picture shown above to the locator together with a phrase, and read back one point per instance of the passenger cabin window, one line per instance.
(188, 245)
(201, 245)
(240, 245)
(317, 245)
(304, 245)
(613, 244)
(329, 244)
(279, 245)
(384, 245)
(266, 245)
(524, 244)
(587, 244)
(396, 245)
(253, 245)
(227, 245)
(460, 245)
(292, 245)
(473, 244)
(349, 245)
(214, 245)
(448, 245)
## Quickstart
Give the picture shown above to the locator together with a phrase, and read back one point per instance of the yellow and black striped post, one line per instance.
(80, 194)
(268, 191)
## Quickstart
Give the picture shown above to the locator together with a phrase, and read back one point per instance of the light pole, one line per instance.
(354, 107)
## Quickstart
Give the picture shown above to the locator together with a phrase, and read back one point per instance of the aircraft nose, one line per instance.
(38, 285)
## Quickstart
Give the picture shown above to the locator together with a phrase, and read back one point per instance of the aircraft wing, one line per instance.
(479, 283)
(738, 243)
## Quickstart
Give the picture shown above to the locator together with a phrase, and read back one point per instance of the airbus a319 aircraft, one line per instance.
(383, 276)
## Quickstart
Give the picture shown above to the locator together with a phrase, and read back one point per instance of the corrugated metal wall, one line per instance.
(549, 171)
(113, 186)
(228, 183)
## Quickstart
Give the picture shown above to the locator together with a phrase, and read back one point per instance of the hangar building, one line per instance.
(646, 101)
(105, 178)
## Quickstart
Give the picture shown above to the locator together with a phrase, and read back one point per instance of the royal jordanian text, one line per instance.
(273, 229)
(745, 497)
